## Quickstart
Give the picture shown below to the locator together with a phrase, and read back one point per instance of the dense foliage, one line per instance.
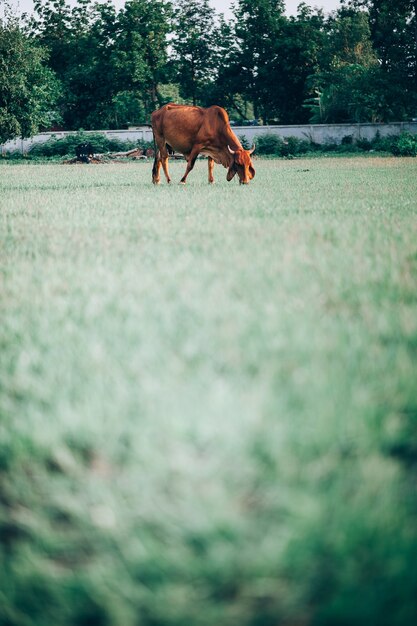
(404, 144)
(66, 146)
(267, 145)
(113, 67)
(28, 89)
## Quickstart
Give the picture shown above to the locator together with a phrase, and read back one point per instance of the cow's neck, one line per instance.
(233, 142)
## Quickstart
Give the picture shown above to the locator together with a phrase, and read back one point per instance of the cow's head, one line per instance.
(242, 165)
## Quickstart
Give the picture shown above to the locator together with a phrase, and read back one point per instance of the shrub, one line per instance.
(347, 140)
(382, 144)
(244, 141)
(329, 147)
(291, 146)
(269, 144)
(66, 146)
(294, 146)
(13, 156)
(351, 148)
(364, 144)
(405, 145)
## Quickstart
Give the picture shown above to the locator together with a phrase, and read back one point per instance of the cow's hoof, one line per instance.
(156, 182)
(182, 182)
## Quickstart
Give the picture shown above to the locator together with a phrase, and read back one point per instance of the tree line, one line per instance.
(92, 66)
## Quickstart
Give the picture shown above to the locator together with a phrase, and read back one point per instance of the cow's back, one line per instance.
(182, 127)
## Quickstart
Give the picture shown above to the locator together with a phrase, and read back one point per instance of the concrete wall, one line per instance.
(327, 133)
(24, 145)
(319, 133)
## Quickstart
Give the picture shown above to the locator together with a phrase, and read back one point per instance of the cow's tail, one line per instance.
(155, 150)
(154, 142)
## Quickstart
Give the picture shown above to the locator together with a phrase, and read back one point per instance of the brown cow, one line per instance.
(193, 131)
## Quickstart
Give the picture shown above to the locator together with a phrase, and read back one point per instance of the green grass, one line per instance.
(208, 396)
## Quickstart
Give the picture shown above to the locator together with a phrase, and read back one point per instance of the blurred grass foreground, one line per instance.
(208, 396)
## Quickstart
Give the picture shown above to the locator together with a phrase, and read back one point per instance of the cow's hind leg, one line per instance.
(165, 168)
(190, 164)
(156, 179)
(161, 158)
(210, 170)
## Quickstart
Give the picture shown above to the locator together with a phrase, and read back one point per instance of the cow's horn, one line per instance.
(230, 149)
(252, 149)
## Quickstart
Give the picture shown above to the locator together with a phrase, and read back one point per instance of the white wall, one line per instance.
(327, 133)
(319, 133)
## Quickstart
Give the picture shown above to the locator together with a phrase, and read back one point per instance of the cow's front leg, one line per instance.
(210, 170)
(190, 164)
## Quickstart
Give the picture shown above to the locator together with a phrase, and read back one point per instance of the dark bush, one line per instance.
(67, 145)
(294, 146)
(273, 145)
(244, 141)
(364, 144)
(405, 145)
(329, 147)
(347, 140)
(351, 148)
(269, 144)
(13, 156)
(382, 144)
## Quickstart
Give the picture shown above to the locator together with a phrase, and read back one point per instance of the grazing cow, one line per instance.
(192, 131)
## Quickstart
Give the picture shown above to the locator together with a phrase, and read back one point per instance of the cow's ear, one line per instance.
(230, 173)
(251, 171)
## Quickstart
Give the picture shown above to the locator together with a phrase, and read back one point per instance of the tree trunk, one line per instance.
(154, 96)
(193, 82)
(234, 105)
(415, 39)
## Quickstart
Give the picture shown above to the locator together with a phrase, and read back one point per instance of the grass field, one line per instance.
(208, 396)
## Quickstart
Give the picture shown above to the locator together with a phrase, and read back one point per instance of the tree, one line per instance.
(51, 26)
(345, 81)
(394, 35)
(366, 72)
(90, 76)
(295, 57)
(276, 56)
(80, 41)
(258, 28)
(141, 49)
(110, 63)
(28, 89)
(225, 86)
(116, 66)
(193, 47)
